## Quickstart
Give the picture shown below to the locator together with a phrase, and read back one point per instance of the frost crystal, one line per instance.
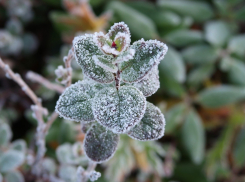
(151, 126)
(119, 110)
(111, 98)
(100, 144)
(94, 176)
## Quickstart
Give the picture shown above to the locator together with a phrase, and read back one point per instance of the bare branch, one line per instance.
(43, 81)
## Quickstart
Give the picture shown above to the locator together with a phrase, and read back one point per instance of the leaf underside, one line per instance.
(85, 49)
(152, 125)
(100, 144)
(119, 110)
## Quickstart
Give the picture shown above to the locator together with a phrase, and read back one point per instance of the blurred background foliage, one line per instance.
(202, 90)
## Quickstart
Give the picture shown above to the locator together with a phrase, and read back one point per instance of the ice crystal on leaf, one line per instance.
(117, 78)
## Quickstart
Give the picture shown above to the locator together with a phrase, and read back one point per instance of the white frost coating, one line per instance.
(151, 127)
(105, 64)
(109, 50)
(100, 144)
(147, 55)
(84, 49)
(118, 27)
(124, 40)
(120, 110)
(75, 102)
(150, 83)
(125, 56)
(94, 176)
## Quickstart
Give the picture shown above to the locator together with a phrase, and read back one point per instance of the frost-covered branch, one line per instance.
(88, 174)
(67, 61)
(43, 81)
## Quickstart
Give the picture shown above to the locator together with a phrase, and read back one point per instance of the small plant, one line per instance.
(111, 98)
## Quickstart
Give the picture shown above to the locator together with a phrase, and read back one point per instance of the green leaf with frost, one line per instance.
(14, 176)
(49, 166)
(147, 55)
(237, 45)
(67, 173)
(64, 154)
(119, 110)
(151, 127)
(84, 49)
(150, 83)
(100, 144)
(75, 102)
(10, 160)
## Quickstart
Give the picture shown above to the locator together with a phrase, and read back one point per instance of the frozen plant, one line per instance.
(111, 100)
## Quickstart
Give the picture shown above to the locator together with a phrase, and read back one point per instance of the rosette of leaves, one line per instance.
(111, 100)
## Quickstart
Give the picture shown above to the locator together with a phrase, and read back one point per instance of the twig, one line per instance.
(83, 175)
(43, 81)
(67, 61)
(50, 121)
(17, 78)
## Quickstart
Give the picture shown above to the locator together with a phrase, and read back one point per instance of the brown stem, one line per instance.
(117, 78)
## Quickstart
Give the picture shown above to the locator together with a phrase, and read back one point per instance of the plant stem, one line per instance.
(117, 78)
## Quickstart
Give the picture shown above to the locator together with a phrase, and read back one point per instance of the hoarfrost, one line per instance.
(100, 144)
(125, 56)
(75, 102)
(85, 48)
(147, 55)
(104, 63)
(150, 83)
(118, 27)
(94, 176)
(119, 110)
(151, 126)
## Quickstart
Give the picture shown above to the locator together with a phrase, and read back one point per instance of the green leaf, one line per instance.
(237, 45)
(161, 18)
(174, 117)
(200, 11)
(11, 160)
(200, 54)
(19, 145)
(139, 24)
(105, 64)
(117, 28)
(14, 176)
(219, 96)
(236, 72)
(5, 134)
(147, 55)
(173, 66)
(239, 149)
(85, 49)
(150, 83)
(199, 74)
(192, 135)
(119, 110)
(182, 37)
(100, 144)
(75, 102)
(152, 125)
(217, 33)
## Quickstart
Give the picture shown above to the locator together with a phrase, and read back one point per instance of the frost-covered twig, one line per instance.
(16, 77)
(89, 173)
(43, 81)
(67, 61)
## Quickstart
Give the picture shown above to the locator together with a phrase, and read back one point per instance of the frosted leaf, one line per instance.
(67, 173)
(14, 176)
(118, 27)
(75, 102)
(19, 145)
(104, 63)
(86, 126)
(125, 56)
(119, 110)
(151, 126)
(85, 48)
(100, 144)
(49, 166)
(64, 154)
(147, 55)
(150, 83)
(11, 160)
(94, 176)
(122, 41)
(5, 134)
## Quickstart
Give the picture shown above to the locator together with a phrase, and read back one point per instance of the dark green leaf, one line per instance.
(100, 144)
(219, 96)
(200, 11)
(200, 54)
(193, 138)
